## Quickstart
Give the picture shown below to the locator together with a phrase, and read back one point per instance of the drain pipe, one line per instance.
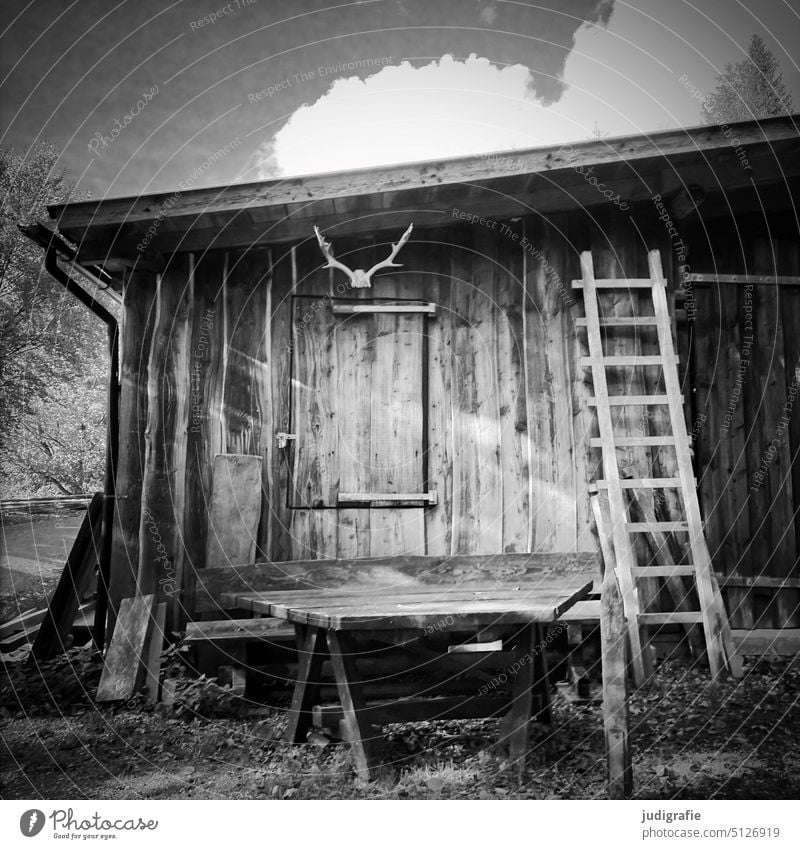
(53, 245)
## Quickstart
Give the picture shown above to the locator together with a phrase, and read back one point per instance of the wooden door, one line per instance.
(358, 412)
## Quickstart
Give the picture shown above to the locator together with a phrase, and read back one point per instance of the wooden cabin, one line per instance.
(270, 411)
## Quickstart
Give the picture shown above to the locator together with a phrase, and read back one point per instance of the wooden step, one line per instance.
(626, 321)
(633, 441)
(646, 527)
(633, 400)
(664, 571)
(642, 483)
(693, 617)
(629, 360)
(618, 283)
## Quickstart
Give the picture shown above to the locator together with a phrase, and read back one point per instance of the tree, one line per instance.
(52, 350)
(750, 89)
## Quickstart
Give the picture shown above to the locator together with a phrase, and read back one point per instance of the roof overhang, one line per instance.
(125, 231)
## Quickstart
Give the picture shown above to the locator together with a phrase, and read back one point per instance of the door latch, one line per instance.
(283, 438)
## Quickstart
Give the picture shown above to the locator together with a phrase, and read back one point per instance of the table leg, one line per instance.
(540, 675)
(522, 696)
(352, 699)
(309, 671)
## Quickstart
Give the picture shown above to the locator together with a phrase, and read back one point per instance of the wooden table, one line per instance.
(332, 617)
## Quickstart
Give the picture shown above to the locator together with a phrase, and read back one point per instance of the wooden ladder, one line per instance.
(718, 640)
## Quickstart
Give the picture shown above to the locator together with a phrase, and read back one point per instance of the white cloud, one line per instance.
(400, 114)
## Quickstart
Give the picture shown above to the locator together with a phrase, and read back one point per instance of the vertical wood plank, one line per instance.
(276, 538)
(244, 329)
(234, 510)
(789, 263)
(757, 439)
(353, 538)
(510, 346)
(205, 436)
(164, 478)
(435, 274)
(549, 354)
(154, 646)
(315, 476)
(138, 318)
(247, 401)
(396, 415)
(772, 368)
(313, 533)
(355, 352)
(477, 484)
(397, 419)
(717, 359)
(586, 461)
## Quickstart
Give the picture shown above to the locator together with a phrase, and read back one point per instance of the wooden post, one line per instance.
(612, 643)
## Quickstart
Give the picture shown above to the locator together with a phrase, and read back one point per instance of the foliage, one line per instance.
(67, 682)
(750, 89)
(51, 424)
(204, 697)
(690, 740)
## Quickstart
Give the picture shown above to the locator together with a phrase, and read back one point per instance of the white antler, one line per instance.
(327, 250)
(387, 263)
(360, 279)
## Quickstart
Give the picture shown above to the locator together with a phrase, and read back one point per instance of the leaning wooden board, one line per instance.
(123, 666)
(235, 510)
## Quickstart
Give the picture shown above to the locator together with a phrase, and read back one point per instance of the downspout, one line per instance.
(52, 244)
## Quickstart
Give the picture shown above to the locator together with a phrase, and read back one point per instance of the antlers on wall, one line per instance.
(360, 279)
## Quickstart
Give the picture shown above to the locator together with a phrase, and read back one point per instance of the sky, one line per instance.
(141, 96)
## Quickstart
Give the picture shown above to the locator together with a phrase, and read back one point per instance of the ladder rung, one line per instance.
(618, 283)
(633, 441)
(643, 483)
(631, 360)
(629, 321)
(674, 618)
(644, 527)
(633, 400)
(660, 571)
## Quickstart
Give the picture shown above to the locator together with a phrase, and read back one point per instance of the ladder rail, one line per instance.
(623, 546)
(714, 619)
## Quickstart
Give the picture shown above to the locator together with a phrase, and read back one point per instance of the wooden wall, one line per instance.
(745, 357)
(208, 353)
